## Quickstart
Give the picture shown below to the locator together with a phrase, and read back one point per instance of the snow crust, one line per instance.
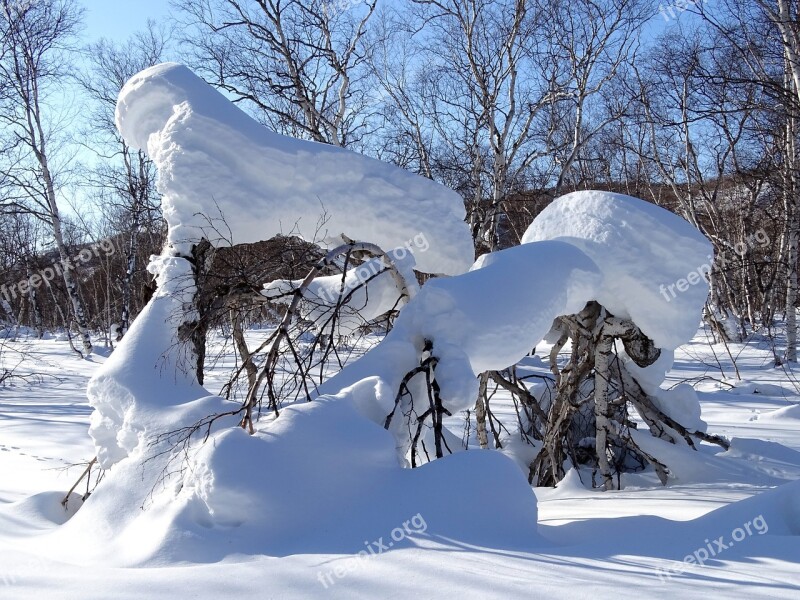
(215, 161)
(642, 250)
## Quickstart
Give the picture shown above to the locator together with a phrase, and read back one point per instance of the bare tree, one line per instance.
(594, 41)
(700, 136)
(300, 64)
(123, 177)
(35, 40)
(484, 51)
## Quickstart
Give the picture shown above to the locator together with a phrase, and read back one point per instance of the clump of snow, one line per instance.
(363, 294)
(570, 486)
(682, 405)
(741, 387)
(214, 160)
(788, 413)
(486, 319)
(649, 258)
(778, 511)
(504, 306)
(649, 378)
(493, 315)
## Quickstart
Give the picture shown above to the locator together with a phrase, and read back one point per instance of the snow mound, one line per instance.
(504, 306)
(787, 413)
(778, 510)
(651, 259)
(683, 405)
(215, 161)
(318, 479)
(741, 388)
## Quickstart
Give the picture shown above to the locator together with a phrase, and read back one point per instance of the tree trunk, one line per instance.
(792, 238)
(480, 411)
(78, 310)
(241, 346)
(602, 373)
(199, 328)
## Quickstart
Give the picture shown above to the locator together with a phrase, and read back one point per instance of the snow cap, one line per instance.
(226, 177)
(652, 260)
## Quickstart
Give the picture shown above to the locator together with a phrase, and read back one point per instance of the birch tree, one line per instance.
(594, 41)
(35, 44)
(765, 37)
(488, 50)
(299, 64)
(124, 177)
(784, 14)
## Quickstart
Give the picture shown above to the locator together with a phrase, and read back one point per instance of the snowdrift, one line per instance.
(320, 479)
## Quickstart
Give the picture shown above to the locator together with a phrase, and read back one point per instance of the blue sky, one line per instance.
(118, 19)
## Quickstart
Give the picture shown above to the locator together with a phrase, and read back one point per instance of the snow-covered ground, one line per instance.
(737, 512)
(316, 502)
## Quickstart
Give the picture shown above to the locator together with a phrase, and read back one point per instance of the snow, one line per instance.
(627, 544)
(682, 404)
(163, 501)
(318, 479)
(492, 316)
(215, 162)
(651, 259)
(488, 318)
(147, 372)
(786, 414)
(318, 501)
(362, 295)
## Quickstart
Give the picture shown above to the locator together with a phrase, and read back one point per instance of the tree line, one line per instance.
(509, 102)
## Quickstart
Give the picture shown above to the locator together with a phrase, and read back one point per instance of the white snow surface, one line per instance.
(641, 249)
(215, 161)
(625, 544)
(319, 479)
